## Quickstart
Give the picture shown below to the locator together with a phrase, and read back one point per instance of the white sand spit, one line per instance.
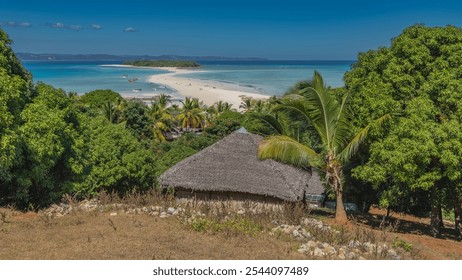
(207, 91)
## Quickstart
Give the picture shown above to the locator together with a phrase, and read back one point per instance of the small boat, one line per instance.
(125, 76)
(136, 90)
(133, 80)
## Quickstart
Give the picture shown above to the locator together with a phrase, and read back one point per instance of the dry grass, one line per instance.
(128, 236)
(99, 234)
(201, 231)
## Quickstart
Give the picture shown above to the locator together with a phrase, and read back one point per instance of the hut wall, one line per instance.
(212, 195)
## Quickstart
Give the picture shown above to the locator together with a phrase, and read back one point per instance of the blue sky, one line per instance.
(284, 29)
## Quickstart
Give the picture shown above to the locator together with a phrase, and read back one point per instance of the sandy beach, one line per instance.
(207, 91)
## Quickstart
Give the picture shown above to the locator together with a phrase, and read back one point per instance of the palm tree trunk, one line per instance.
(340, 213)
(334, 178)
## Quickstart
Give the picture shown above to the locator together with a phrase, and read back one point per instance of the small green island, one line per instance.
(163, 63)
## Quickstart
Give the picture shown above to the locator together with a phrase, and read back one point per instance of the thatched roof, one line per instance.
(231, 165)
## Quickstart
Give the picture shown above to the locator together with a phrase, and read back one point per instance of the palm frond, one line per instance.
(299, 86)
(295, 108)
(323, 109)
(268, 122)
(298, 112)
(343, 127)
(353, 146)
(285, 149)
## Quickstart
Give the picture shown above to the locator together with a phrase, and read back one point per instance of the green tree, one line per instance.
(109, 111)
(41, 148)
(330, 117)
(118, 162)
(170, 153)
(265, 118)
(162, 120)
(222, 106)
(191, 115)
(97, 98)
(225, 123)
(246, 103)
(214, 111)
(53, 150)
(176, 154)
(163, 100)
(137, 120)
(15, 93)
(250, 104)
(108, 102)
(9, 62)
(418, 79)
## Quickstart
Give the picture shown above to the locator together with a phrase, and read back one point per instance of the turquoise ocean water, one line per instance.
(266, 77)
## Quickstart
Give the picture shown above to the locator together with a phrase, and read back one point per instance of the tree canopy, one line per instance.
(97, 98)
(54, 143)
(418, 80)
(328, 116)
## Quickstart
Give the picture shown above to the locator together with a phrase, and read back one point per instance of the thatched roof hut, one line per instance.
(230, 169)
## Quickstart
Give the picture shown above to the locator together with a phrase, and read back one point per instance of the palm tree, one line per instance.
(109, 111)
(162, 120)
(191, 115)
(211, 114)
(261, 106)
(191, 103)
(246, 104)
(222, 106)
(329, 118)
(163, 100)
(73, 95)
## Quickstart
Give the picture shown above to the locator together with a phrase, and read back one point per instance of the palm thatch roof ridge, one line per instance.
(232, 165)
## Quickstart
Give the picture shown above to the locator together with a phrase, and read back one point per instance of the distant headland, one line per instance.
(109, 57)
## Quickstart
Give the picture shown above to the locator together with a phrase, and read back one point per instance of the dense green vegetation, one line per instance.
(54, 143)
(317, 109)
(414, 165)
(406, 98)
(163, 63)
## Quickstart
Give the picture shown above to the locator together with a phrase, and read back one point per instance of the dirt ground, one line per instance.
(100, 236)
(416, 231)
(91, 236)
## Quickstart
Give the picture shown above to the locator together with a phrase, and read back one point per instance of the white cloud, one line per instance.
(16, 24)
(75, 27)
(130, 29)
(60, 25)
(24, 24)
(96, 26)
(57, 25)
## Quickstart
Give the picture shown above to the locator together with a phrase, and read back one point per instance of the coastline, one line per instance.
(207, 91)
(259, 81)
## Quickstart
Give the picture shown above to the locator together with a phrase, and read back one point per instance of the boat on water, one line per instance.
(133, 80)
(136, 90)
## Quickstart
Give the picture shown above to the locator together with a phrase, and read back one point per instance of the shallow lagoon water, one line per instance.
(266, 77)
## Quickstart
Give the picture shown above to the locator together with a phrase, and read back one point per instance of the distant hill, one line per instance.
(109, 57)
